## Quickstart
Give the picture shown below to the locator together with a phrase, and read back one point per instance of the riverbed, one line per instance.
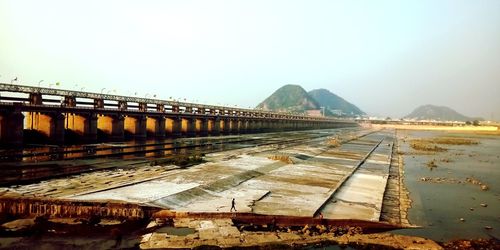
(445, 186)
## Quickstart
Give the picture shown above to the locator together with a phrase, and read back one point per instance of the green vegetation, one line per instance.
(294, 98)
(289, 98)
(424, 145)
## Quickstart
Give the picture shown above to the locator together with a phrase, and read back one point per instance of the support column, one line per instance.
(215, 126)
(243, 126)
(173, 126)
(188, 126)
(235, 126)
(225, 126)
(50, 125)
(155, 126)
(136, 126)
(112, 126)
(11, 128)
(57, 128)
(118, 127)
(84, 125)
(257, 126)
(202, 126)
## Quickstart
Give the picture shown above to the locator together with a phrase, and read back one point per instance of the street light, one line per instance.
(40, 83)
(102, 90)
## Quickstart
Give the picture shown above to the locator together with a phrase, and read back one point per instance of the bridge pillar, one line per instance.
(264, 126)
(276, 127)
(290, 125)
(243, 126)
(51, 125)
(84, 125)
(188, 126)
(235, 126)
(112, 126)
(225, 126)
(256, 126)
(202, 126)
(249, 126)
(214, 126)
(284, 125)
(11, 128)
(155, 126)
(174, 126)
(136, 126)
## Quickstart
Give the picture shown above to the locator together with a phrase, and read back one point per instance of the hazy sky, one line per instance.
(387, 57)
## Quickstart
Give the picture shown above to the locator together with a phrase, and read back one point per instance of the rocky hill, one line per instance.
(334, 103)
(438, 113)
(289, 98)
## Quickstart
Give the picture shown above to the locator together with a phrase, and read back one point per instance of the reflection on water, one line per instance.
(37, 162)
(439, 207)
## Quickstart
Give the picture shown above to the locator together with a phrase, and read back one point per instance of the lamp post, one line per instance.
(39, 82)
(102, 90)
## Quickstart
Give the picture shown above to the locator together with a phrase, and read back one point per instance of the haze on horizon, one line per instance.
(386, 57)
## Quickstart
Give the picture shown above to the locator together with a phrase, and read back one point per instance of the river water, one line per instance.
(452, 209)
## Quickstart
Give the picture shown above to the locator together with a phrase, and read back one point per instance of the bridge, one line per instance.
(55, 114)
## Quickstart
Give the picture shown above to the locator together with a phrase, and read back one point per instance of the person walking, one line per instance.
(233, 206)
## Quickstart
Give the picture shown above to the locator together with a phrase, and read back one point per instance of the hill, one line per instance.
(439, 113)
(289, 98)
(334, 103)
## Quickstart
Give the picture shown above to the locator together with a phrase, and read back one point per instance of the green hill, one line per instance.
(289, 98)
(438, 113)
(334, 103)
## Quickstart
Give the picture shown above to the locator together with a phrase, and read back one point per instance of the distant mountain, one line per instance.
(334, 103)
(289, 98)
(439, 113)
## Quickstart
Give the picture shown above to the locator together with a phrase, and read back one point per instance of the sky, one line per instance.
(386, 57)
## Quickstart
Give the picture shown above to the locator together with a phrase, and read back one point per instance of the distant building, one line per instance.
(314, 112)
(337, 112)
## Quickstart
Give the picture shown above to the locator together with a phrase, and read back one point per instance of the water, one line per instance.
(179, 231)
(438, 207)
